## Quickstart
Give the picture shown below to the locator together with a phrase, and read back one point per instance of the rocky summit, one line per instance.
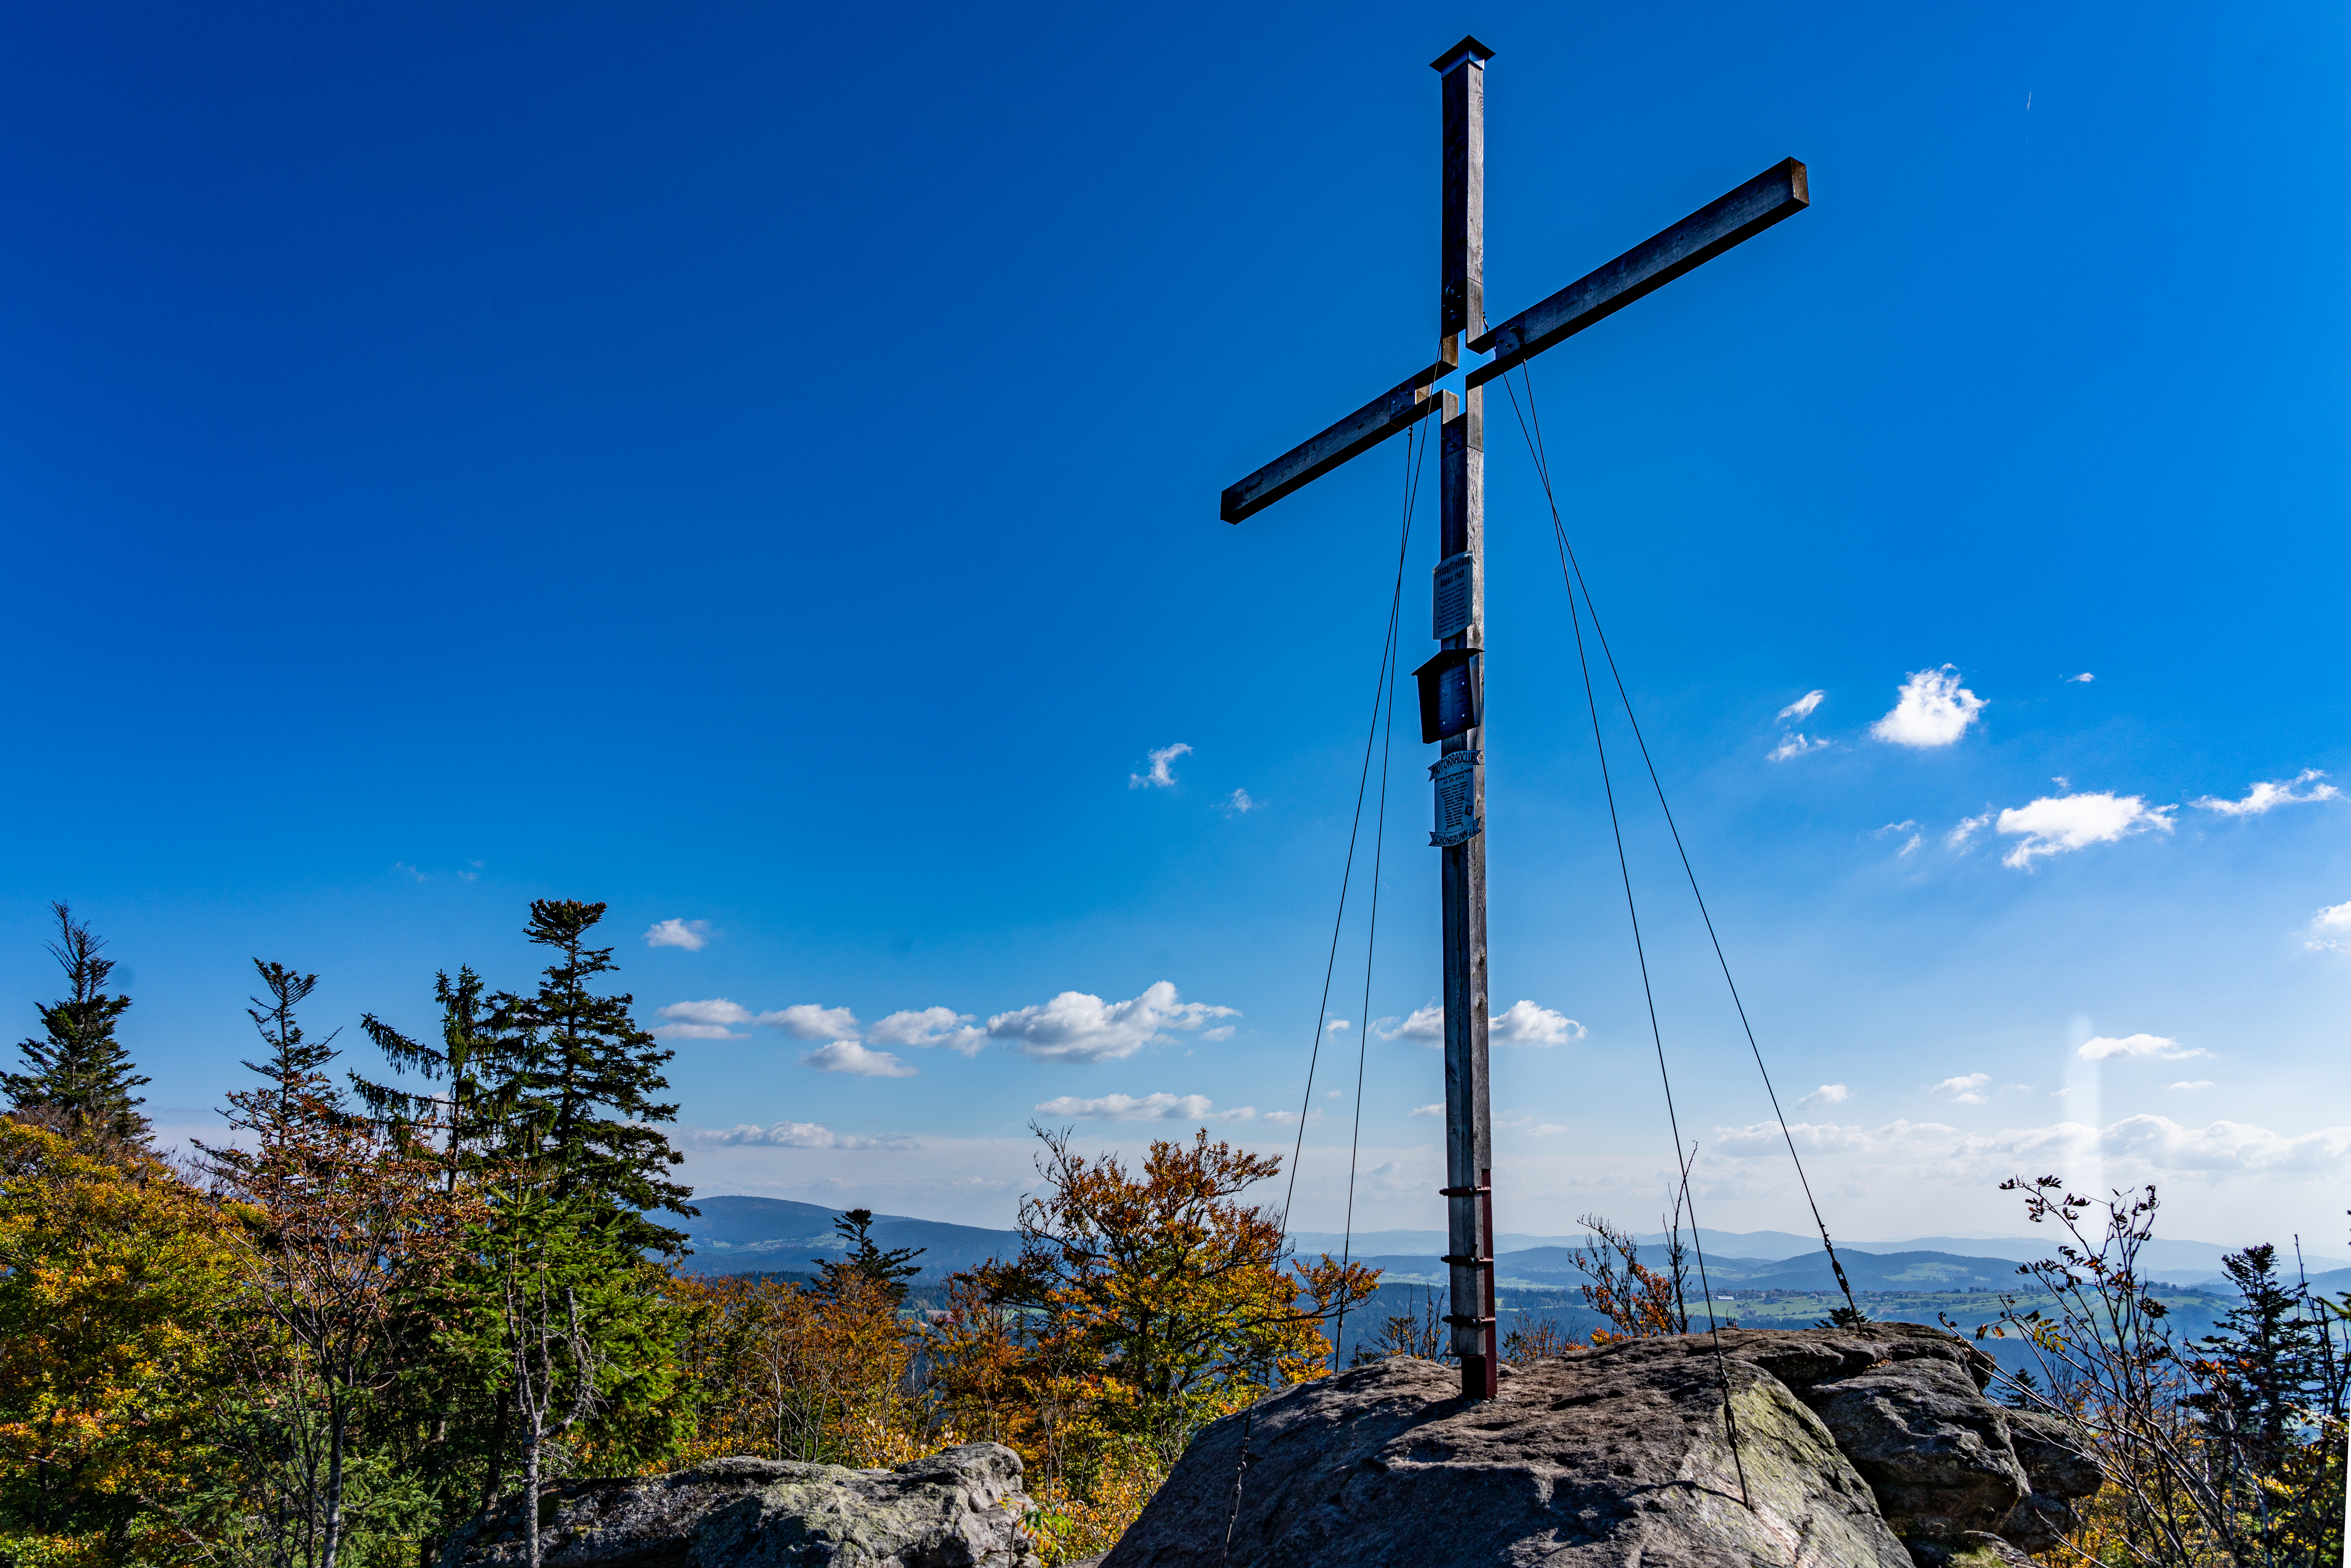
(1871, 1446)
(960, 1508)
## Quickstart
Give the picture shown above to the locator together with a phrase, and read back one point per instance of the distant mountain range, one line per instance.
(744, 1235)
(748, 1235)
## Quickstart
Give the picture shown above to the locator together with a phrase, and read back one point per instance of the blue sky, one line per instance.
(758, 466)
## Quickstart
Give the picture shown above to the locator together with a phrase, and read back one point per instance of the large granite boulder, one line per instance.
(960, 1508)
(1866, 1447)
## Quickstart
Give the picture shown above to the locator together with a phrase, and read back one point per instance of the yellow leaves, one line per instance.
(803, 1374)
(113, 1282)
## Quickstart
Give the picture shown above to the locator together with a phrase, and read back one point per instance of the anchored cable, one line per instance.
(1632, 910)
(1542, 468)
(1371, 944)
(1416, 443)
(1346, 875)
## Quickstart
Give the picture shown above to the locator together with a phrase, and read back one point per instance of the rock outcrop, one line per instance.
(960, 1508)
(1866, 1447)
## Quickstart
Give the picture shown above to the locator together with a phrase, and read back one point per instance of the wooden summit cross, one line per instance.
(1451, 709)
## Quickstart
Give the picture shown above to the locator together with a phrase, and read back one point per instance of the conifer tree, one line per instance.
(78, 1073)
(886, 1270)
(2262, 1366)
(572, 1080)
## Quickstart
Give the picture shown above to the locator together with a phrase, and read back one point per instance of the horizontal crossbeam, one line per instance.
(1775, 194)
(1384, 415)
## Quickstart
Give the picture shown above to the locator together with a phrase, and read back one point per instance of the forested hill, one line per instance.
(743, 1235)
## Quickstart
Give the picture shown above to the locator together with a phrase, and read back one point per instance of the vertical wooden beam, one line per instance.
(1469, 1152)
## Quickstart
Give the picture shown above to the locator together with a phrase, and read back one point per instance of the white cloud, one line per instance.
(1425, 1025)
(806, 1021)
(791, 1135)
(1827, 1094)
(2198, 1083)
(1160, 1108)
(1925, 1150)
(2225, 1146)
(1223, 1031)
(692, 935)
(1802, 708)
(848, 1056)
(2272, 793)
(1239, 803)
(2085, 678)
(1434, 1109)
(1792, 746)
(2054, 824)
(701, 1021)
(1968, 827)
(1910, 845)
(1160, 776)
(1335, 1025)
(1933, 709)
(1079, 1027)
(2135, 1045)
(930, 1027)
(1966, 1091)
(1523, 1023)
(2331, 929)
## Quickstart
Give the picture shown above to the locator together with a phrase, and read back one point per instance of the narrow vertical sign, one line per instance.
(1455, 595)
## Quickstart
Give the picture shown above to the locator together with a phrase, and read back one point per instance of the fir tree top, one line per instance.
(572, 1080)
(78, 1071)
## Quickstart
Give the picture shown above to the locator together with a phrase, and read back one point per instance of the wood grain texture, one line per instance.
(1776, 194)
(1387, 414)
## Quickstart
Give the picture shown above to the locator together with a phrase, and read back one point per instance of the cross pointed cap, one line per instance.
(1467, 49)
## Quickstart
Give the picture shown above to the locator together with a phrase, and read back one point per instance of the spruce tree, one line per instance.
(2262, 1367)
(886, 1270)
(79, 1071)
(571, 1079)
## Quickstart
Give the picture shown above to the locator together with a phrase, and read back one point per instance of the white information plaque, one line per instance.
(1455, 596)
(1455, 774)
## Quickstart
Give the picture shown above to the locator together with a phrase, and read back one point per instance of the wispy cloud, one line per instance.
(930, 1027)
(692, 935)
(2085, 678)
(701, 1021)
(1966, 828)
(1793, 746)
(1161, 775)
(1921, 1149)
(848, 1056)
(2106, 1048)
(791, 1135)
(2272, 794)
(1802, 708)
(1435, 1108)
(806, 1021)
(1827, 1094)
(2058, 824)
(1966, 1091)
(405, 869)
(1239, 803)
(2198, 1084)
(1076, 1026)
(1160, 1108)
(1932, 709)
